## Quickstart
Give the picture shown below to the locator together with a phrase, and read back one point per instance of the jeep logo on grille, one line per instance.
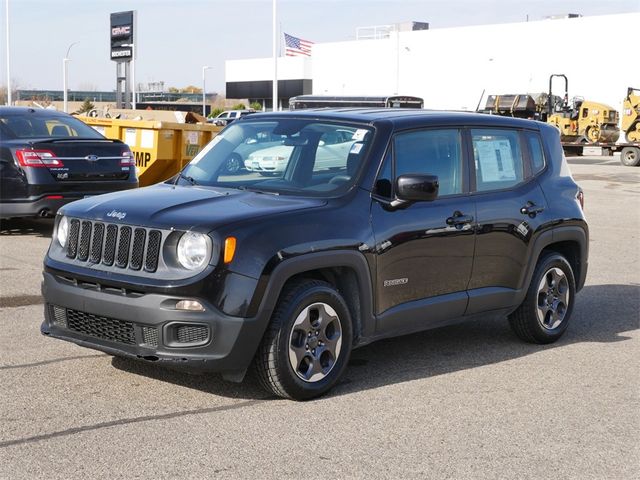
(116, 214)
(91, 158)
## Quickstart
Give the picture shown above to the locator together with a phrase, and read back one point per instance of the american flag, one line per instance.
(297, 47)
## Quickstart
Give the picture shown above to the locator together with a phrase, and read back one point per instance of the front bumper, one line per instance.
(146, 326)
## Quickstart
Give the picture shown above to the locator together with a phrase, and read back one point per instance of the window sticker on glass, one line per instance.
(359, 134)
(495, 159)
(355, 148)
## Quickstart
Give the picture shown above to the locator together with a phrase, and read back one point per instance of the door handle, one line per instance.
(458, 219)
(531, 209)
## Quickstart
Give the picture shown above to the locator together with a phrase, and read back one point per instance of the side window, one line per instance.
(537, 154)
(498, 159)
(432, 152)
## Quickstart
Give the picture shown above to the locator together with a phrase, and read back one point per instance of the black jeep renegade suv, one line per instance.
(359, 225)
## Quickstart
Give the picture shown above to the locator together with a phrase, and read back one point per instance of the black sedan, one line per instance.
(49, 158)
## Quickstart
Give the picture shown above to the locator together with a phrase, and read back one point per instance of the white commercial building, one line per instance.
(451, 67)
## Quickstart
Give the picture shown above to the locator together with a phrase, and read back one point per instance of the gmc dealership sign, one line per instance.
(121, 31)
(122, 36)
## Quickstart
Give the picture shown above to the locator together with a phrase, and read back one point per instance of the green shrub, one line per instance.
(86, 106)
(239, 106)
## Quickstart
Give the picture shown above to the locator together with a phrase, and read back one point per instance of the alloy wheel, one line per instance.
(553, 298)
(315, 342)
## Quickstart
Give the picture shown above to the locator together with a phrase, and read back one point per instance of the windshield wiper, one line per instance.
(256, 190)
(189, 179)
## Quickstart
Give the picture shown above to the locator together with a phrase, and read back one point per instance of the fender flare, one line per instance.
(271, 284)
(571, 233)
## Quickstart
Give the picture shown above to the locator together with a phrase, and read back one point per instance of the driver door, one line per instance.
(425, 250)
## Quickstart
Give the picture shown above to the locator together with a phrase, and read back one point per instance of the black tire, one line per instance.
(630, 156)
(273, 364)
(528, 321)
(233, 164)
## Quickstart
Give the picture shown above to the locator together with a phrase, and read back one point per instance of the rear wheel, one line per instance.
(630, 156)
(544, 314)
(308, 343)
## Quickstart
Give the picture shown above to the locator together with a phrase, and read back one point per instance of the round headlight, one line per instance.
(63, 231)
(193, 250)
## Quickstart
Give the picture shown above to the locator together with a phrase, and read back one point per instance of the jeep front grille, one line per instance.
(111, 244)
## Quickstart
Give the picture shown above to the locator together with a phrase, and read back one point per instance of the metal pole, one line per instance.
(133, 73)
(133, 76)
(65, 77)
(65, 93)
(204, 91)
(275, 59)
(8, 57)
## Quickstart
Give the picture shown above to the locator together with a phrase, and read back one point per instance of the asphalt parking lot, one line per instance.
(469, 401)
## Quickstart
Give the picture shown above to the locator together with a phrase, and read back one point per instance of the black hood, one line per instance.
(184, 207)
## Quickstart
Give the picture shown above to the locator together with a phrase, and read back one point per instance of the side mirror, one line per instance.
(417, 188)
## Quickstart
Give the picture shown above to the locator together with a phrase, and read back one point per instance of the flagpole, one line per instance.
(275, 59)
(9, 100)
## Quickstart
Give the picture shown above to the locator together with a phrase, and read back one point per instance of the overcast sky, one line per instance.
(176, 38)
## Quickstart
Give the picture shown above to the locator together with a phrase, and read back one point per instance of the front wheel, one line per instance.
(233, 164)
(592, 134)
(544, 314)
(308, 342)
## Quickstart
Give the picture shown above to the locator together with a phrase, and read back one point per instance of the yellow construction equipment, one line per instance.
(631, 115)
(586, 121)
(583, 120)
(161, 149)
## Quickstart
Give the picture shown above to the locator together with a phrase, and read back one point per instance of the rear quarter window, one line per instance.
(537, 153)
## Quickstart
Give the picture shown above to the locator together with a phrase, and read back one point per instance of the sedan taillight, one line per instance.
(37, 158)
(127, 160)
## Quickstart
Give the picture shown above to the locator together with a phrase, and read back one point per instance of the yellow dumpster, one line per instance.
(161, 149)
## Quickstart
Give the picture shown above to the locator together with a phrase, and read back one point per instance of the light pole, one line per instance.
(204, 91)
(65, 75)
(133, 72)
(8, 58)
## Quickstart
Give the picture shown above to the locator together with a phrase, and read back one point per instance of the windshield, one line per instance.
(283, 156)
(43, 126)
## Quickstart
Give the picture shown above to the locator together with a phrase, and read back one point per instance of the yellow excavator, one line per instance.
(631, 115)
(582, 121)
